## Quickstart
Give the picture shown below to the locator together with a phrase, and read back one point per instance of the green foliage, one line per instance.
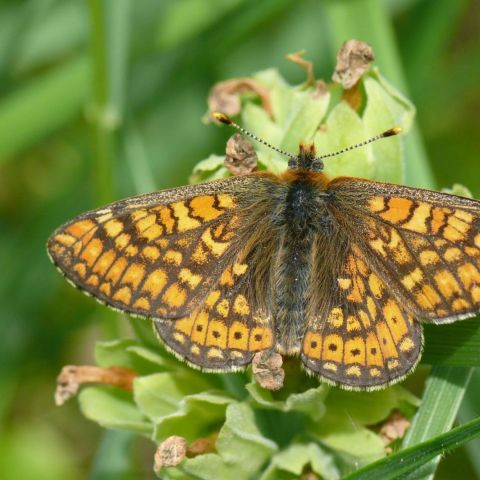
(258, 430)
(410, 459)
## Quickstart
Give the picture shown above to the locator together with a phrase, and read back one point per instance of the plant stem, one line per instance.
(109, 54)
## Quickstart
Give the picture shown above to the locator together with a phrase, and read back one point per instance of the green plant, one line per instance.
(247, 431)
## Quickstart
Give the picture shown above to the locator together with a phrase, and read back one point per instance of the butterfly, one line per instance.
(337, 271)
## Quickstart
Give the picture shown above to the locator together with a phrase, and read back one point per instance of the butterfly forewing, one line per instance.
(183, 257)
(155, 255)
(426, 245)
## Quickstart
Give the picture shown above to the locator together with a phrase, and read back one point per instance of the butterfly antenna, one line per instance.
(221, 117)
(387, 133)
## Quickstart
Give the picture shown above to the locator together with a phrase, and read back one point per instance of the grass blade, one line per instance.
(412, 458)
(457, 344)
(441, 400)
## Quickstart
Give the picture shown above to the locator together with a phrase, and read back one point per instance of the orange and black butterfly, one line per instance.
(340, 272)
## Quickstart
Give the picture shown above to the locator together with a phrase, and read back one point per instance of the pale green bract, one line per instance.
(311, 114)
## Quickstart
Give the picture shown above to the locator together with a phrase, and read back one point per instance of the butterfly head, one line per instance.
(306, 159)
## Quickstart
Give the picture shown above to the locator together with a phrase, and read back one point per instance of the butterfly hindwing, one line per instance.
(226, 331)
(361, 337)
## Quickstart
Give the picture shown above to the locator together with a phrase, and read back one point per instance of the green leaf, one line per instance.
(160, 394)
(196, 415)
(242, 450)
(366, 408)
(146, 334)
(209, 169)
(441, 400)
(343, 427)
(159, 357)
(410, 459)
(204, 467)
(181, 404)
(113, 352)
(128, 353)
(399, 106)
(458, 189)
(310, 402)
(456, 344)
(344, 128)
(381, 113)
(256, 120)
(343, 435)
(297, 113)
(281, 94)
(240, 441)
(306, 113)
(113, 408)
(291, 462)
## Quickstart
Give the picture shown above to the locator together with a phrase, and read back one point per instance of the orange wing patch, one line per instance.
(368, 339)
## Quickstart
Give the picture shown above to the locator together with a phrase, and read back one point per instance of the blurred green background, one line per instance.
(100, 100)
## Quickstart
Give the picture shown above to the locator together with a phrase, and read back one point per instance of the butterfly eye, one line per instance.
(317, 165)
(293, 163)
